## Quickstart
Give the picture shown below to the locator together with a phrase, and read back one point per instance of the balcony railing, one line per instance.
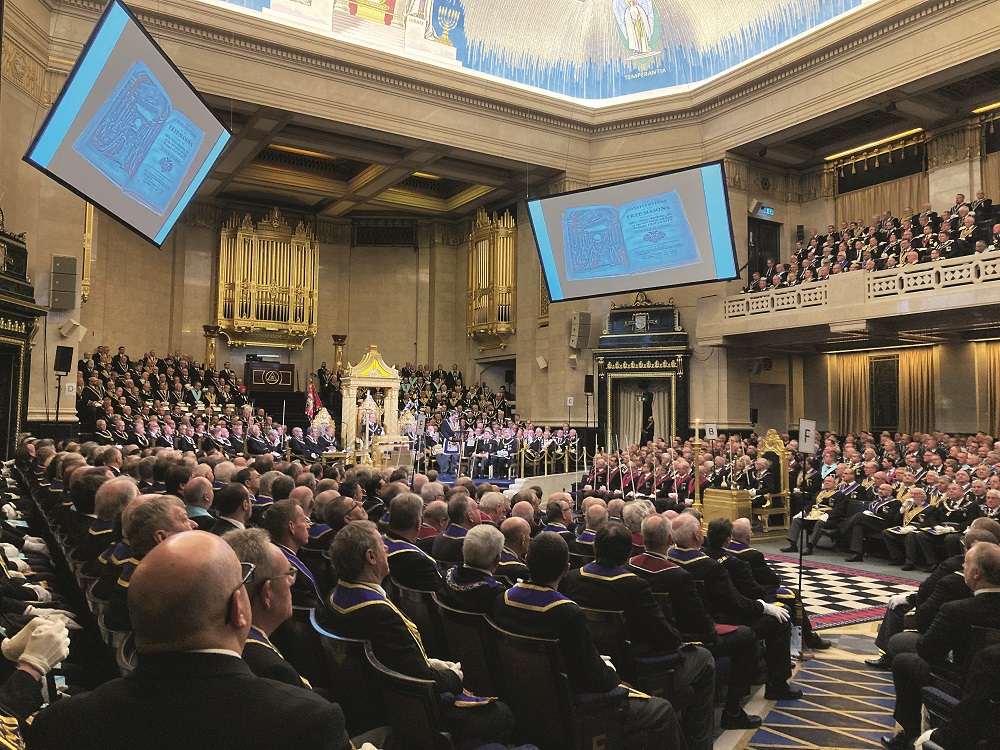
(853, 297)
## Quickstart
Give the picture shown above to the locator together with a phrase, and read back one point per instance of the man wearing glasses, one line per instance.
(191, 615)
(270, 591)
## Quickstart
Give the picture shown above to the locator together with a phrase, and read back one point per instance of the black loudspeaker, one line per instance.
(753, 416)
(508, 376)
(800, 233)
(64, 359)
(588, 385)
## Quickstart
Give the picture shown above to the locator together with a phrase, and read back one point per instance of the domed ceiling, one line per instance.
(585, 49)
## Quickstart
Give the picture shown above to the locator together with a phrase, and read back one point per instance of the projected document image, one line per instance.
(650, 234)
(139, 141)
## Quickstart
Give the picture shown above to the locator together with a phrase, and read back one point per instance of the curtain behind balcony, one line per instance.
(916, 390)
(855, 392)
(992, 349)
(991, 177)
(895, 196)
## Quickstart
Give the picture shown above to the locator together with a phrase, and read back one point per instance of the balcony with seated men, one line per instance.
(914, 303)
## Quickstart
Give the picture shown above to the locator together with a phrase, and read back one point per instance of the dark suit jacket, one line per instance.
(542, 612)
(951, 630)
(410, 566)
(194, 701)
(358, 611)
(266, 661)
(739, 573)
(949, 588)
(471, 590)
(222, 525)
(967, 726)
(598, 587)
(448, 544)
(722, 600)
(762, 572)
(687, 608)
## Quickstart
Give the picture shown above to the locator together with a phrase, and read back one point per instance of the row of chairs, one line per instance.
(526, 673)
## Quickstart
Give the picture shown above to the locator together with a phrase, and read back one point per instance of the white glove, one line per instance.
(454, 666)
(35, 539)
(778, 613)
(16, 575)
(44, 595)
(13, 647)
(10, 550)
(58, 615)
(899, 600)
(10, 511)
(38, 547)
(919, 744)
(48, 646)
(18, 564)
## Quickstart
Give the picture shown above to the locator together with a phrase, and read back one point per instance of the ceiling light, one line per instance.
(986, 108)
(426, 176)
(302, 152)
(873, 144)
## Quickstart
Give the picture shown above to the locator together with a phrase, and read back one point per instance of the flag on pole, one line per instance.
(312, 400)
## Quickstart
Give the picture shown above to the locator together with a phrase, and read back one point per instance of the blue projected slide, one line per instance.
(666, 230)
(128, 132)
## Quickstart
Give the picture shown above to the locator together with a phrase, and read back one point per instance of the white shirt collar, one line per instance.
(992, 590)
(225, 651)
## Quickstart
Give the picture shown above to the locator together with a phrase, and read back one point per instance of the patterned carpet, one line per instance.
(834, 595)
(845, 706)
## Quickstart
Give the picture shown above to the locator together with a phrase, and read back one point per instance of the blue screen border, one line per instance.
(68, 97)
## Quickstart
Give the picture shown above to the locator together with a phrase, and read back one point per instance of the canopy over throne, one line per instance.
(371, 372)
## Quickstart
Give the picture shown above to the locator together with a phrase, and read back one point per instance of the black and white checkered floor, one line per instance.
(834, 595)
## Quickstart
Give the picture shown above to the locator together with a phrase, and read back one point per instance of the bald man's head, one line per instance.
(517, 534)
(186, 594)
(198, 492)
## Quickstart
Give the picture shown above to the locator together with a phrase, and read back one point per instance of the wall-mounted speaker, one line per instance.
(753, 416)
(755, 206)
(573, 362)
(64, 360)
(72, 329)
(62, 283)
(800, 233)
(588, 385)
(542, 364)
(579, 331)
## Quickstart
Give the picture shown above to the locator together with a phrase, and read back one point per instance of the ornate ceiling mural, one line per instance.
(586, 49)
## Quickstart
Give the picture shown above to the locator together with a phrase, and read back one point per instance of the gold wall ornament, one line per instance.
(211, 334)
(492, 275)
(268, 282)
(88, 249)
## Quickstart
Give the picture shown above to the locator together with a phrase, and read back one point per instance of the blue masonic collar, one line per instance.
(685, 556)
(603, 572)
(531, 596)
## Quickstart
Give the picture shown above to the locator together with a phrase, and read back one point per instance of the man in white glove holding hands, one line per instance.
(36, 648)
(728, 606)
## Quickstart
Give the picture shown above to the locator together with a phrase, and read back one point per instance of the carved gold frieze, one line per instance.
(644, 364)
(13, 326)
(961, 144)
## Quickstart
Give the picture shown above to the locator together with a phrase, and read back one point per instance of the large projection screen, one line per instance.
(670, 229)
(128, 132)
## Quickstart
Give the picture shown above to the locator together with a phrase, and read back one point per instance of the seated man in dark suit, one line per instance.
(463, 512)
(765, 577)
(191, 614)
(471, 587)
(288, 526)
(688, 613)
(146, 522)
(607, 584)
(198, 497)
(537, 609)
(516, 533)
(727, 605)
(358, 608)
(234, 506)
(409, 565)
(270, 594)
(949, 633)
(968, 725)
